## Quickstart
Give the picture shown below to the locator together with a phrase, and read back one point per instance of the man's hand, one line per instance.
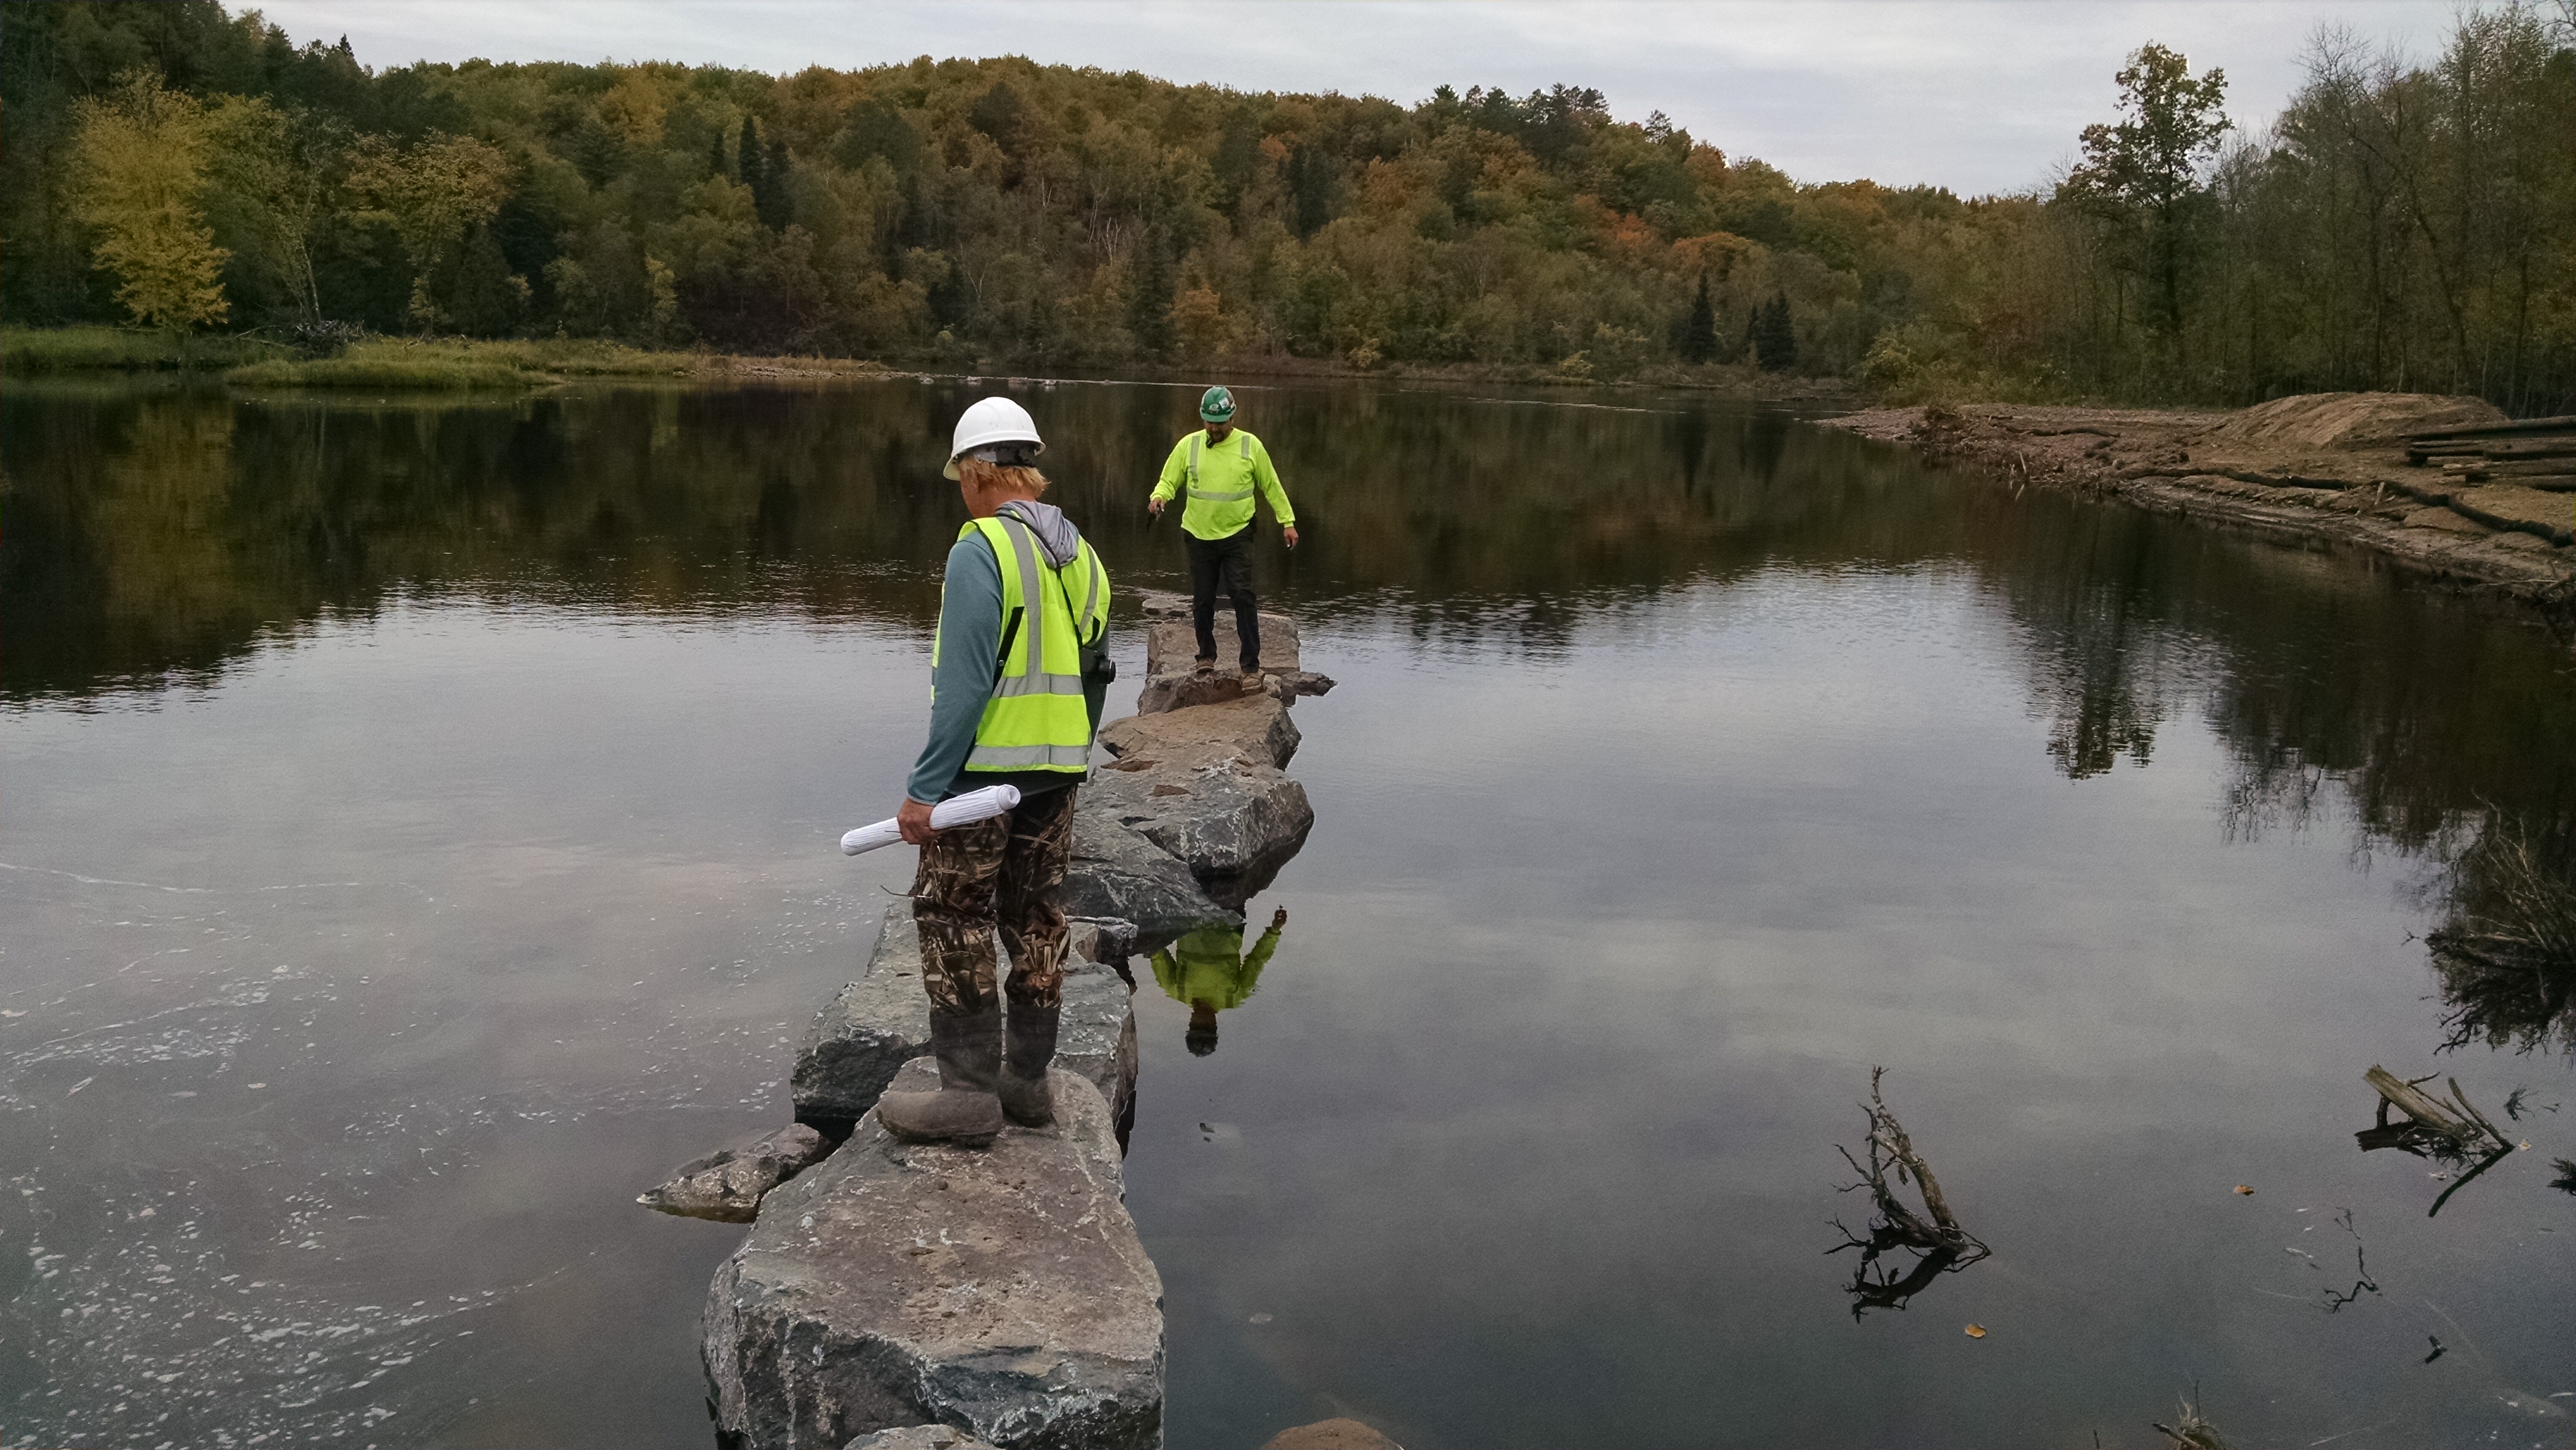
(914, 821)
(1278, 918)
(1290, 534)
(1154, 506)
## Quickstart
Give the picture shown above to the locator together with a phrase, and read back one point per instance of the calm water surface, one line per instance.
(416, 835)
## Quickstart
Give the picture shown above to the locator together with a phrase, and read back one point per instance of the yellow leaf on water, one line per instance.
(2245, 1188)
(1976, 1331)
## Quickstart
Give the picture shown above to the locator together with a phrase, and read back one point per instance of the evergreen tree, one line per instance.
(747, 158)
(716, 158)
(1149, 293)
(1699, 333)
(1775, 340)
(770, 198)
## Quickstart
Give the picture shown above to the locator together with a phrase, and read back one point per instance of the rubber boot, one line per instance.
(964, 1110)
(1030, 1046)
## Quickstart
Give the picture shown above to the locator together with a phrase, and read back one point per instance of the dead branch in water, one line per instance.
(2448, 1131)
(1934, 1234)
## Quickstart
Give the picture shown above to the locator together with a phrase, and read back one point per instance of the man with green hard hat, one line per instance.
(1223, 466)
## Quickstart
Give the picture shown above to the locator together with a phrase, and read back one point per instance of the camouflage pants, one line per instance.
(998, 874)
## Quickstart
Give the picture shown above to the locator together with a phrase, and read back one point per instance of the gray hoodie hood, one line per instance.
(1056, 534)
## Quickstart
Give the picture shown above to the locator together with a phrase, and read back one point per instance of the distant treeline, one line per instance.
(2400, 226)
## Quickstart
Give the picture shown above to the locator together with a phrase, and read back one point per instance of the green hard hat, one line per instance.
(1216, 405)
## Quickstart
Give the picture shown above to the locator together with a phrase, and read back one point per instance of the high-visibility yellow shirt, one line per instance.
(1222, 479)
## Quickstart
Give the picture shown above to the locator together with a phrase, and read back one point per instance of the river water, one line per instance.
(416, 835)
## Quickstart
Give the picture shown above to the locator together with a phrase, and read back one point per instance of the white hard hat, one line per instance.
(992, 420)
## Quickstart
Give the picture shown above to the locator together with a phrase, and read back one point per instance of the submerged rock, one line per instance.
(1001, 1290)
(1335, 1434)
(876, 1024)
(728, 1184)
(1117, 873)
(919, 1437)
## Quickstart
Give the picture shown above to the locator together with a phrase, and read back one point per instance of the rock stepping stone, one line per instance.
(999, 1290)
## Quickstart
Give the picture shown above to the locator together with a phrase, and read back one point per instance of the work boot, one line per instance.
(1204, 665)
(1028, 1048)
(1252, 679)
(964, 1110)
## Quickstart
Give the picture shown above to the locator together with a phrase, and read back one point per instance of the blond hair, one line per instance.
(1013, 479)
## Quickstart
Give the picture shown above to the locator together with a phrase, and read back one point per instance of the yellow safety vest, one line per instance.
(1038, 718)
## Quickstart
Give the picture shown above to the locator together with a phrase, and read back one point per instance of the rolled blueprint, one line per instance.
(964, 810)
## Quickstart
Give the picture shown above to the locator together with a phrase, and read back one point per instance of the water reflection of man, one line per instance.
(1223, 467)
(1209, 971)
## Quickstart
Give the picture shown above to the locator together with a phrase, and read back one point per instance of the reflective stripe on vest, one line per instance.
(1243, 450)
(1038, 717)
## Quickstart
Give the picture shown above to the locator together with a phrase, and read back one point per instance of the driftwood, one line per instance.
(2449, 1131)
(1934, 1236)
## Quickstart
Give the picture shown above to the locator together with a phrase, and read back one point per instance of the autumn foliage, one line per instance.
(2407, 226)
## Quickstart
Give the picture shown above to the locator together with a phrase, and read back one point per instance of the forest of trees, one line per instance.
(2404, 224)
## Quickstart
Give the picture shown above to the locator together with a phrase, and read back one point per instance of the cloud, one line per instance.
(1978, 97)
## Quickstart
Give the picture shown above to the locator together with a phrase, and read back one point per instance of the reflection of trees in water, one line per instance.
(153, 532)
(159, 532)
(2506, 948)
(2445, 734)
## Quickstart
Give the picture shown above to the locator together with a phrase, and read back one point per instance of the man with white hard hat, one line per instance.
(1019, 673)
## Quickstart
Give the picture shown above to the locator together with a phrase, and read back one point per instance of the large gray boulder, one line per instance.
(1225, 814)
(728, 1184)
(1117, 873)
(1000, 1290)
(875, 1025)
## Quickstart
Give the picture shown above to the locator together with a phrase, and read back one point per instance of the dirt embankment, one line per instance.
(2486, 510)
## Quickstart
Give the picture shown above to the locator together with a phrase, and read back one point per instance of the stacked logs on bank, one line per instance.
(2511, 476)
(2535, 453)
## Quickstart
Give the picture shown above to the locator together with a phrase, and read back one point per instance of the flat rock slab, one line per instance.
(1254, 725)
(1172, 645)
(999, 1290)
(728, 1184)
(1117, 873)
(875, 1025)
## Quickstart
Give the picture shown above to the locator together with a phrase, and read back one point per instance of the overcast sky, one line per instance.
(1978, 97)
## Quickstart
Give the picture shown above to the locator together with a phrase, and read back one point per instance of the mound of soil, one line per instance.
(2351, 420)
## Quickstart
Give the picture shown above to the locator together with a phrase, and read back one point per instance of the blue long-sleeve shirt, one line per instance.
(970, 648)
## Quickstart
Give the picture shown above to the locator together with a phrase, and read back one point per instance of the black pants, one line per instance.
(1224, 564)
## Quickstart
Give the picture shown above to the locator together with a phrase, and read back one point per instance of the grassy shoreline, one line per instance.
(480, 364)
